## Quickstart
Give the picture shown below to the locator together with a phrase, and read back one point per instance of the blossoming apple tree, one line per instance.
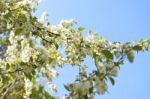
(29, 50)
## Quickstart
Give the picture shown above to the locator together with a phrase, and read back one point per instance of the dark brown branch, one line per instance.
(10, 72)
(53, 33)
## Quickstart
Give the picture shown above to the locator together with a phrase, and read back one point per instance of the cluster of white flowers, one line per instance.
(28, 88)
(115, 47)
(26, 52)
(80, 88)
(102, 68)
(11, 49)
(25, 55)
(66, 23)
(85, 86)
(90, 38)
(100, 86)
(12, 53)
(51, 71)
(11, 38)
(35, 46)
(32, 3)
(61, 60)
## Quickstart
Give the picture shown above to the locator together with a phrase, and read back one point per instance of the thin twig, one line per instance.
(7, 89)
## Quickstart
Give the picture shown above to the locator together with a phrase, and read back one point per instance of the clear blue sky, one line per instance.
(115, 20)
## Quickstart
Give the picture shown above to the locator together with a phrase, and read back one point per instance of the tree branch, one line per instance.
(10, 72)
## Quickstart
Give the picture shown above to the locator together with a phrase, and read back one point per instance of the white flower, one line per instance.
(43, 17)
(85, 87)
(100, 86)
(43, 70)
(52, 87)
(102, 68)
(67, 23)
(12, 54)
(52, 72)
(118, 45)
(90, 37)
(32, 3)
(26, 53)
(11, 38)
(114, 71)
(25, 56)
(12, 59)
(28, 88)
(11, 49)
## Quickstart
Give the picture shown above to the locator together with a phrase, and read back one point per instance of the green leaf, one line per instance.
(96, 62)
(24, 19)
(142, 41)
(72, 31)
(108, 54)
(91, 89)
(56, 45)
(47, 96)
(137, 48)
(18, 31)
(80, 29)
(7, 66)
(112, 81)
(8, 15)
(85, 97)
(130, 56)
(28, 75)
(66, 87)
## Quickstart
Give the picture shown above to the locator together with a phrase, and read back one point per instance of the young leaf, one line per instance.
(130, 56)
(137, 48)
(108, 54)
(112, 81)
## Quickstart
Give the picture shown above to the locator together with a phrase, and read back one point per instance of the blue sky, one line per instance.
(114, 20)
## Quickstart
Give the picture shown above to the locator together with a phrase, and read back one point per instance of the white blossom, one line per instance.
(28, 88)
(43, 70)
(25, 56)
(12, 40)
(114, 71)
(11, 49)
(67, 23)
(12, 54)
(43, 17)
(102, 68)
(26, 52)
(52, 72)
(32, 3)
(100, 86)
(90, 37)
(52, 86)
(84, 87)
